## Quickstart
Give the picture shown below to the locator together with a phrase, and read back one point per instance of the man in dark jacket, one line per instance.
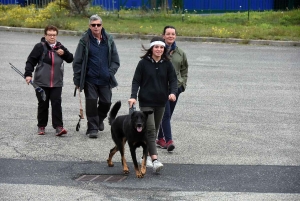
(47, 58)
(95, 64)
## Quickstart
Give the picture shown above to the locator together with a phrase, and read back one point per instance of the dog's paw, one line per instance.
(126, 172)
(110, 163)
(143, 171)
(139, 175)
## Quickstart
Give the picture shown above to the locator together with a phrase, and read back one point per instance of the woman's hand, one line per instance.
(172, 97)
(60, 52)
(131, 101)
(28, 79)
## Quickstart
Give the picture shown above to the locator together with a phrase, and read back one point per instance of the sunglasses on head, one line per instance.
(98, 25)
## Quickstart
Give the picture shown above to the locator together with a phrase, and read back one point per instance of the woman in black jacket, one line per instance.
(154, 83)
(47, 58)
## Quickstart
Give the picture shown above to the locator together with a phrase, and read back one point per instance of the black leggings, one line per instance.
(53, 94)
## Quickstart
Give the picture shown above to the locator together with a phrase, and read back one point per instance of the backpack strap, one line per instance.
(44, 52)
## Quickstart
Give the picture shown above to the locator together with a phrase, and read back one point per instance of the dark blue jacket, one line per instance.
(97, 66)
(81, 60)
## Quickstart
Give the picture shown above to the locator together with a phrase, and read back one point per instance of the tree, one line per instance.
(80, 6)
(178, 4)
(163, 4)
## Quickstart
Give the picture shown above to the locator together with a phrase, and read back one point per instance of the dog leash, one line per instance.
(80, 110)
(132, 109)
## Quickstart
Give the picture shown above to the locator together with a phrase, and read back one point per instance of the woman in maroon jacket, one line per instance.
(47, 58)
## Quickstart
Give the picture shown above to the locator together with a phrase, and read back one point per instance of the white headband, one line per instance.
(157, 43)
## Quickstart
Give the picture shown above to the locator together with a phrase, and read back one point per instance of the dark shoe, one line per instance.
(60, 131)
(41, 130)
(101, 126)
(161, 143)
(93, 134)
(170, 145)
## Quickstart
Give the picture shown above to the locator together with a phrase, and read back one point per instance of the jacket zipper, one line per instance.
(52, 69)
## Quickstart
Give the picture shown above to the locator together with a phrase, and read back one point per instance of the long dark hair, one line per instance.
(164, 56)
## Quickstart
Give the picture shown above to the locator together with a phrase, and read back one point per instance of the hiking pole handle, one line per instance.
(75, 91)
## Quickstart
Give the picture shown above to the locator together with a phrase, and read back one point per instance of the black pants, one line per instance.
(54, 95)
(97, 104)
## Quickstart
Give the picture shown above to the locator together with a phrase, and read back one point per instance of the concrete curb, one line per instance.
(179, 38)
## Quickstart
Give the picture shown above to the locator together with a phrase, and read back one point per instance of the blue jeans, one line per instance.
(165, 126)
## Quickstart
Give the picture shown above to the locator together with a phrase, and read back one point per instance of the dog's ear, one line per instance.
(147, 112)
(132, 114)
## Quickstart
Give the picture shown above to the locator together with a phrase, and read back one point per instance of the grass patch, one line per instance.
(268, 25)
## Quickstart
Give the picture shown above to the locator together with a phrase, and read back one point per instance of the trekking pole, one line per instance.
(35, 86)
(80, 109)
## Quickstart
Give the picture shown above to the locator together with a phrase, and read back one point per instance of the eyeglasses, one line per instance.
(98, 25)
(51, 35)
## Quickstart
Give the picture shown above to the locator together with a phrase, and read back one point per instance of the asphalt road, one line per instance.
(236, 129)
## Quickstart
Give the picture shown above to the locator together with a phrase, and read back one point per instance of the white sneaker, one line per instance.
(148, 162)
(157, 166)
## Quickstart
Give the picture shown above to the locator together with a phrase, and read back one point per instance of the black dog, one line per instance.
(131, 128)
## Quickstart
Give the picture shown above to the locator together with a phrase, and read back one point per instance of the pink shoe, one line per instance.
(41, 130)
(60, 131)
(161, 143)
(170, 145)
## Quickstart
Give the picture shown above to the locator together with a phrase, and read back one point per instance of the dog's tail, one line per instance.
(113, 112)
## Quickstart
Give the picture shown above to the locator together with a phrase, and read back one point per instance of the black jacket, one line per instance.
(50, 71)
(155, 82)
